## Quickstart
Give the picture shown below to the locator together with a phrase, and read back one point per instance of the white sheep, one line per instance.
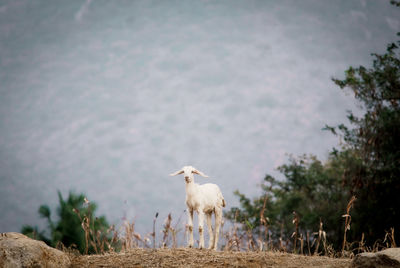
(204, 199)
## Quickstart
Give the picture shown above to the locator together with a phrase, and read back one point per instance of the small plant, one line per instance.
(131, 238)
(389, 239)
(282, 244)
(321, 236)
(361, 245)
(175, 230)
(295, 234)
(232, 238)
(95, 239)
(111, 245)
(153, 234)
(301, 244)
(167, 228)
(308, 243)
(264, 222)
(250, 240)
(347, 217)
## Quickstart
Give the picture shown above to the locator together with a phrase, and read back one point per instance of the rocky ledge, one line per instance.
(18, 250)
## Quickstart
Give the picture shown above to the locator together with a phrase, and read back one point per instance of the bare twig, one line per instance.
(153, 234)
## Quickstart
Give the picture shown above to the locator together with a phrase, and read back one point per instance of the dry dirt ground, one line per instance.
(184, 257)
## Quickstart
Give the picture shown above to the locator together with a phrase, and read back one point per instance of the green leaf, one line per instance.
(44, 211)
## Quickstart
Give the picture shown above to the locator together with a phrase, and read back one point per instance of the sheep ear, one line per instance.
(200, 173)
(176, 173)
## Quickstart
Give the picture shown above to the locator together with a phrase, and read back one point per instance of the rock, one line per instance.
(386, 258)
(18, 250)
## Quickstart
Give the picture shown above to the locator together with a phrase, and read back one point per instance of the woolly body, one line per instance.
(205, 199)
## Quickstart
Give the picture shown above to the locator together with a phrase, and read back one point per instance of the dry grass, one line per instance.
(96, 239)
(184, 257)
(345, 245)
(127, 248)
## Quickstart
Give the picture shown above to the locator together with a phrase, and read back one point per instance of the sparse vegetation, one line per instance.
(241, 244)
(366, 166)
(77, 226)
(238, 237)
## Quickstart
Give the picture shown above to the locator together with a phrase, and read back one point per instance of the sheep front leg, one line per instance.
(190, 227)
(201, 234)
(210, 231)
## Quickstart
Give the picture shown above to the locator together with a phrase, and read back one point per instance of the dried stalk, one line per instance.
(347, 221)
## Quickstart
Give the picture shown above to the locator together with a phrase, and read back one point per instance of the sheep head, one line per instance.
(188, 172)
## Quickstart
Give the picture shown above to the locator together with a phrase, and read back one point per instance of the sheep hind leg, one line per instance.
(210, 231)
(218, 221)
